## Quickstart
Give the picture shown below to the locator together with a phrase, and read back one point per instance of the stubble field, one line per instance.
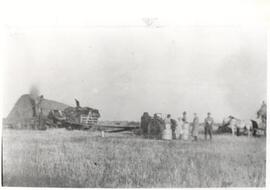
(61, 158)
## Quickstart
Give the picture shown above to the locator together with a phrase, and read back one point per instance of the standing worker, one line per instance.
(208, 126)
(167, 132)
(179, 128)
(174, 127)
(186, 131)
(195, 126)
(184, 118)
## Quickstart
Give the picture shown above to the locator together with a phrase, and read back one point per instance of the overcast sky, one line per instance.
(124, 67)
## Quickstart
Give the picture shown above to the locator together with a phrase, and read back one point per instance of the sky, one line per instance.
(118, 64)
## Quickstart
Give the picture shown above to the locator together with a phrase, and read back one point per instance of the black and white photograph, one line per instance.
(134, 94)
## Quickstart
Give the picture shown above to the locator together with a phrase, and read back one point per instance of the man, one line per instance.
(173, 127)
(195, 126)
(179, 128)
(186, 126)
(157, 126)
(167, 132)
(208, 126)
(184, 118)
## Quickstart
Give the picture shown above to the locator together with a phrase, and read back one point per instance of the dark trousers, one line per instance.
(208, 130)
(237, 131)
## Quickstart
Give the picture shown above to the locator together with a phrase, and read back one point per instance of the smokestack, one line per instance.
(77, 103)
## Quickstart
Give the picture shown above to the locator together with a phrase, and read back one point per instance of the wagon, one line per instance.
(84, 122)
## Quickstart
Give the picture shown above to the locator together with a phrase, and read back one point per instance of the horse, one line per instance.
(236, 124)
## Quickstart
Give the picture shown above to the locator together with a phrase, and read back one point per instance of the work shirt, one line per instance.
(209, 121)
(196, 121)
(184, 118)
(167, 120)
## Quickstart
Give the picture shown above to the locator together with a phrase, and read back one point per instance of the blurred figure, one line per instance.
(167, 132)
(173, 127)
(159, 122)
(179, 128)
(195, 127)
(262, 112)
(208, 126)
(184, 118)
(186, 131)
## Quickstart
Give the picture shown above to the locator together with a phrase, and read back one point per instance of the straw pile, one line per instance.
(23, 109)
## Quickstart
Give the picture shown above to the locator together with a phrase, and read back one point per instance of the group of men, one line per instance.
(180, 128)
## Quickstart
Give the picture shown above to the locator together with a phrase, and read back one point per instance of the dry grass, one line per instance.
(60, 158)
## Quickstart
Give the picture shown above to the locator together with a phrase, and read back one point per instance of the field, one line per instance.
(61, 158)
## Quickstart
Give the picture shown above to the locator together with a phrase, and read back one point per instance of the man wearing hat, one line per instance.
(208, 126)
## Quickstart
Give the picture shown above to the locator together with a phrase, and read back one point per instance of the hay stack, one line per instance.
(22, 114)
(22, 109)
